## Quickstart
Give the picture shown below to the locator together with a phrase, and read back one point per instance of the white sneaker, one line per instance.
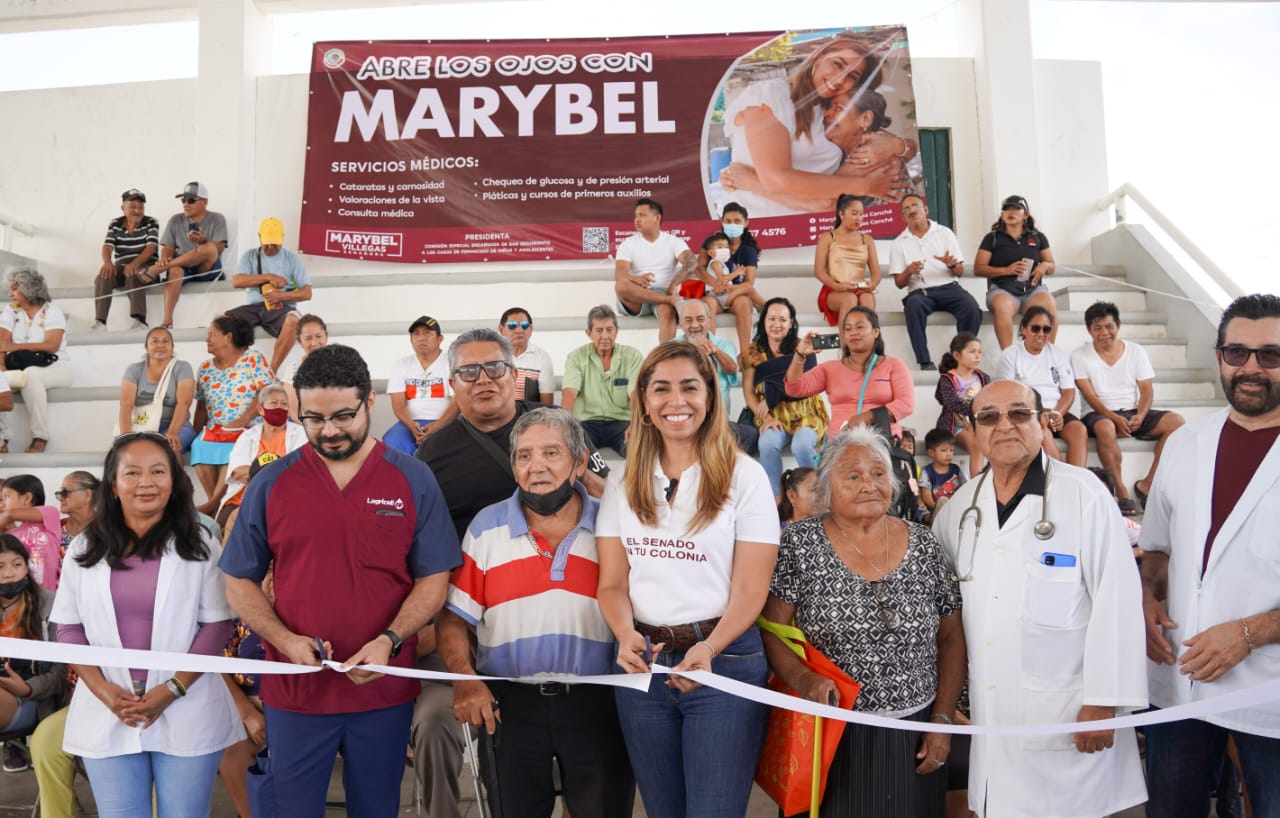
(138, 324)
(98, 326)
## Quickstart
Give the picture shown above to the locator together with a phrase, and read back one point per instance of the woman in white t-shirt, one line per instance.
(782, 157)
(687, 541)
(1047, 369)
(32, 327)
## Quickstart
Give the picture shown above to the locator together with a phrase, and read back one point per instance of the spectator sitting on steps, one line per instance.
(273, 279)
(132, 241)
(191, 247)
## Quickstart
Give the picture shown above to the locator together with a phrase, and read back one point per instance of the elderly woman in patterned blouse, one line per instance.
(876, 596)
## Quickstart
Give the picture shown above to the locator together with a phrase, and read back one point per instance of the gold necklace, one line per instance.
(884, 572)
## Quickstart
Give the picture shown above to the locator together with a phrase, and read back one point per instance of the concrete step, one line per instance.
(474, 295)
(1078, 297)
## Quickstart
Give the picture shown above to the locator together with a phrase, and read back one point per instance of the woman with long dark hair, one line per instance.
(701, 534)
(845, 263)
(29, 690)
(781, 419)
(144, 575)
(864, 386)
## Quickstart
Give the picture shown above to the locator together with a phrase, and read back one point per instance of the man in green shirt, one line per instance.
(598, 380)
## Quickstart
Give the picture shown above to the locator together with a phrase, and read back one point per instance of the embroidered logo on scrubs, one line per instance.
(397, 503)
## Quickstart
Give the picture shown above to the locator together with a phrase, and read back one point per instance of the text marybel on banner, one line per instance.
(527, 150)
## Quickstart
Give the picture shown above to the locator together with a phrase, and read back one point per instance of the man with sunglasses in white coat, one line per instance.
(1051, 615)
(1211, 576)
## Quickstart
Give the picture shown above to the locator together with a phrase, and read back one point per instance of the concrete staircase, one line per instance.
(371, 311)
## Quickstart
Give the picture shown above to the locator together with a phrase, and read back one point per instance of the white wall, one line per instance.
(63, 169)
(1073, 157)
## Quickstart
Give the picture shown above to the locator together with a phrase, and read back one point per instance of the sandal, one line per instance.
(1127, 506)
(1140, 494)
(37, 445)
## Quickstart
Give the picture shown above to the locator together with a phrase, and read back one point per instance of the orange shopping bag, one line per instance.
(798, 748)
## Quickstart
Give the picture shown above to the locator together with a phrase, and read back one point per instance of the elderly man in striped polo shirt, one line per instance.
(527, 587)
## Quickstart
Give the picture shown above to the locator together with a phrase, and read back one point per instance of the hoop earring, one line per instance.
(645, 420)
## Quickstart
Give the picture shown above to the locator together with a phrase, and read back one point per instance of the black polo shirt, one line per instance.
(1005, 250)
(470, 477)
(1032, 485)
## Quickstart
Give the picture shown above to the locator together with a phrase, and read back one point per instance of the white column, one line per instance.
(999, 32)
(232, 43)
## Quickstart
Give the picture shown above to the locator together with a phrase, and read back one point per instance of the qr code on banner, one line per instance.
(595, 239)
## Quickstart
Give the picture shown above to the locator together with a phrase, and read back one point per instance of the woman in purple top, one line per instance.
(143, 575)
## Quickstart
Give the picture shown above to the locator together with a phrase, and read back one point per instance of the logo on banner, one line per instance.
(334, 58)
(364, 243)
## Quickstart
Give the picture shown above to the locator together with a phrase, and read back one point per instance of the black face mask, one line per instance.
(9, 590)
(547, 504)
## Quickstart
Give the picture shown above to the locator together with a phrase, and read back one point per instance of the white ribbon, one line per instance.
(157, 660)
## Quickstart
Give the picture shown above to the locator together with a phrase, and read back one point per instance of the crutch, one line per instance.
(473, 762)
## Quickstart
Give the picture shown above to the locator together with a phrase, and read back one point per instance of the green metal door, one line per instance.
(935, 153)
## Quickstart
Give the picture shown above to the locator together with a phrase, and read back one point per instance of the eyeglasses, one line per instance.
(189, 200)
(1238, 355)
(991, 417)
(1043, 329)
(520, 324)
(889, 618)
(63, 494)
(340, 420)
(470, 373)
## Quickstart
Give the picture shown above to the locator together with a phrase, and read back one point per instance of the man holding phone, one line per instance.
(925, 260)
(191, 247)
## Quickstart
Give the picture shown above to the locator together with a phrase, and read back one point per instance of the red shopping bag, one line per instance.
(785, 770)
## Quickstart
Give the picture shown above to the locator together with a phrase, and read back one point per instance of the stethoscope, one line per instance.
(1044, 529)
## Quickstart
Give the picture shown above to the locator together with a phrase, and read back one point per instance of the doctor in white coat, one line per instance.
(147, 559)
(1053, 625)
(1211, 575)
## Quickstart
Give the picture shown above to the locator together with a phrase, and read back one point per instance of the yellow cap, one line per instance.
(271, 231)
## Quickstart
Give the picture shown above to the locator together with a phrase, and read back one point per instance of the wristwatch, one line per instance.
(396, 642)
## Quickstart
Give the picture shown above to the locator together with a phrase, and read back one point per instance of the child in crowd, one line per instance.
(798, 501)
(29, 690)
(907, 443)
(37, 526)
(941, 478)
(959, 381)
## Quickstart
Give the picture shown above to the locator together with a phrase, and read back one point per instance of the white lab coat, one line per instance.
(1241, 579)
(1045, 640)
(187, 593)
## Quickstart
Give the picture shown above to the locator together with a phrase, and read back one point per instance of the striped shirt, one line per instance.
(126, 246)
(532, 614)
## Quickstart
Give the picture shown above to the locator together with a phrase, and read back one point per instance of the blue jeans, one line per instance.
(400, 438)
(183, 784)
(1184, 765)
(804, 445)
(694, 754)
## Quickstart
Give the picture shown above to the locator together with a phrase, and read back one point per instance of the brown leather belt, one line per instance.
(678, 637)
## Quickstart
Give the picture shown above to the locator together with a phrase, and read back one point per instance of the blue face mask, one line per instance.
(733, 231)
